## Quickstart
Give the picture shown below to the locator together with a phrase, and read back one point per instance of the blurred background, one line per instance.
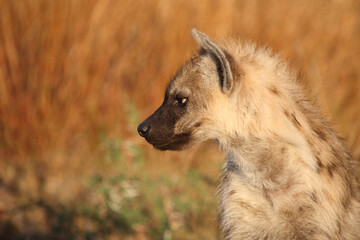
(77, 77)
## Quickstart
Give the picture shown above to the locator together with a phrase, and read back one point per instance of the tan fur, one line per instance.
(287, 175)
(295, 180)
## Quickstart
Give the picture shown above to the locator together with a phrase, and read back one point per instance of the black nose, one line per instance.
(143, 129)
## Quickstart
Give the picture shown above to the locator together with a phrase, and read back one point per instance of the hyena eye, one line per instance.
(181, 101)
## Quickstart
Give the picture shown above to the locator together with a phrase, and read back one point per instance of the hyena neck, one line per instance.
(270, 163)
(274, 133)
(284, 145)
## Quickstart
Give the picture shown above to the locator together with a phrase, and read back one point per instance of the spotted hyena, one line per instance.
(287, 175)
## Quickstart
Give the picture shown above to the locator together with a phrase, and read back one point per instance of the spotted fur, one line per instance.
(287, 175)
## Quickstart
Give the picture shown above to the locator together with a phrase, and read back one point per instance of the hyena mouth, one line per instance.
(168, 146)
(162, 147)
(177, 142)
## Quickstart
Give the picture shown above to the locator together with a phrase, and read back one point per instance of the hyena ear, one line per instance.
(224, 69)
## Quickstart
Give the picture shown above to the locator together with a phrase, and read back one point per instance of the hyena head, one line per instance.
(186, 116)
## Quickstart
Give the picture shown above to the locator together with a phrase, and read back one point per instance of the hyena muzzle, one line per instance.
(287, 175)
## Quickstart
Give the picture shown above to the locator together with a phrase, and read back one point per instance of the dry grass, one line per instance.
(77, 76)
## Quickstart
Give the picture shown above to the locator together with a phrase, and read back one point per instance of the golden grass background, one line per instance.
(77, 76)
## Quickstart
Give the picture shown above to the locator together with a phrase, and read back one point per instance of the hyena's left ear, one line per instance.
(224, 69)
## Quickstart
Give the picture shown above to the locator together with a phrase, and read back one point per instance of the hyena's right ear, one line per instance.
(226, 76)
